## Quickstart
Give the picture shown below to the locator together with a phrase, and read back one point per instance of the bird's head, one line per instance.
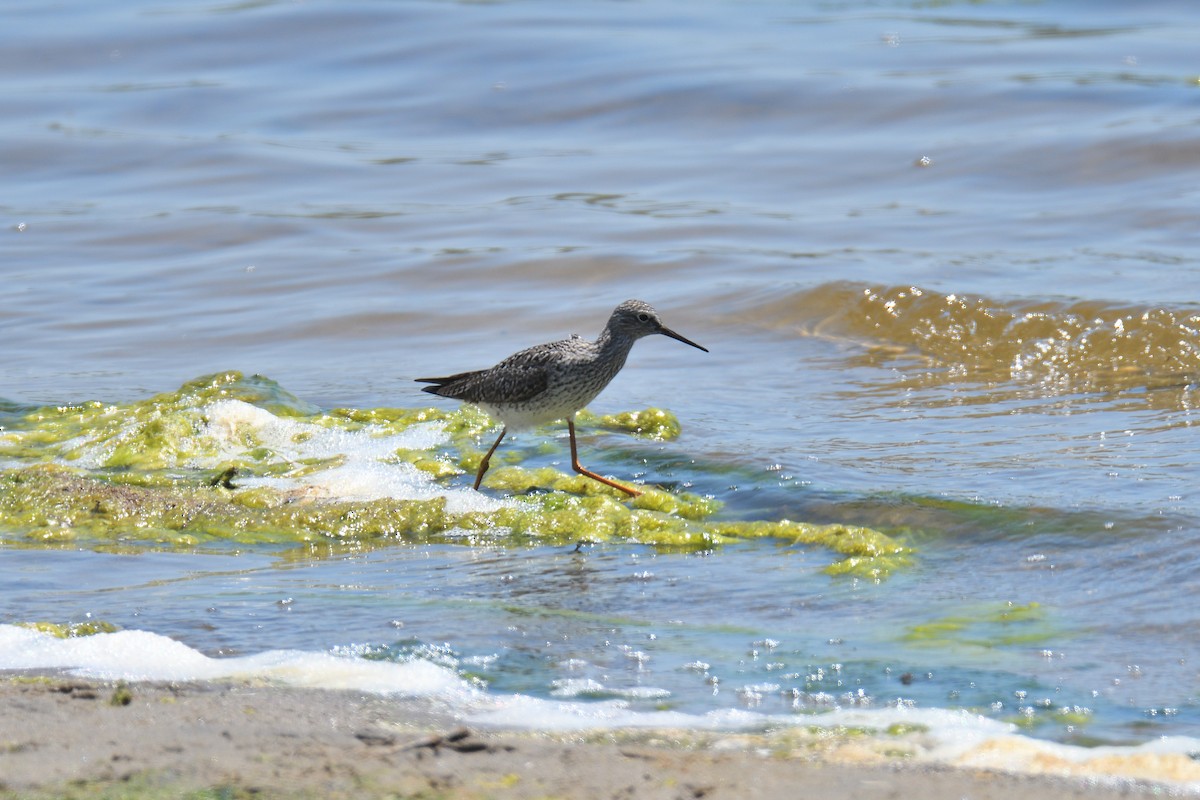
(635, 319)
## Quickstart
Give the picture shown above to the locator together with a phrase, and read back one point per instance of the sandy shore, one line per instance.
(62, 737)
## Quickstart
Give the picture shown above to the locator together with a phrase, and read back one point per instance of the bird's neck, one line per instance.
(613, 347)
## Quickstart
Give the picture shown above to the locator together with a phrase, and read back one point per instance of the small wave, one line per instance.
(1055, 348)
(930, 735)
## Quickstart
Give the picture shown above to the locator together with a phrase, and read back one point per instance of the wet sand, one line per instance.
(63, 737)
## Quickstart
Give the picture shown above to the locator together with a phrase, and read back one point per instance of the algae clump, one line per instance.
(987, 627)
(122, 695)
(54, 504)
(652, 423)
(70, 630)
(234, 459)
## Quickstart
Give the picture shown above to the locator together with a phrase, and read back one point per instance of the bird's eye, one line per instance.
(643, 317)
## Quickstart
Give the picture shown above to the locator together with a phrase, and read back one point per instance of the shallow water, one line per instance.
(944, 256)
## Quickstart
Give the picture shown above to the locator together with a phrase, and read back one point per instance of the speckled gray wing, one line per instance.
(517, 379)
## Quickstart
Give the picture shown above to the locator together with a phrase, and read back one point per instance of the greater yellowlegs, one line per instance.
(553, 381)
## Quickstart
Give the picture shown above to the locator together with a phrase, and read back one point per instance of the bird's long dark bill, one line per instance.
(677, 337)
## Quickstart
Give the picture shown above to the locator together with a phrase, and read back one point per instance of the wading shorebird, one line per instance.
(553, 381)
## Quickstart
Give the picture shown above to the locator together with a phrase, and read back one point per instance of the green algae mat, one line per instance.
(235, 459)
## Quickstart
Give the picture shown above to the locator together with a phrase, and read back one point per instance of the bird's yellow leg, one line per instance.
(575, 465)
(483, 465)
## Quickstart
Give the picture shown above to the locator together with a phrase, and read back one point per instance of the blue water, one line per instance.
(345, 196)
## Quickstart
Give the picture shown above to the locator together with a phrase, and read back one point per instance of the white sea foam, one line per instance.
(363, 464)
(367, 470)
(143, 656)
(583, 687)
